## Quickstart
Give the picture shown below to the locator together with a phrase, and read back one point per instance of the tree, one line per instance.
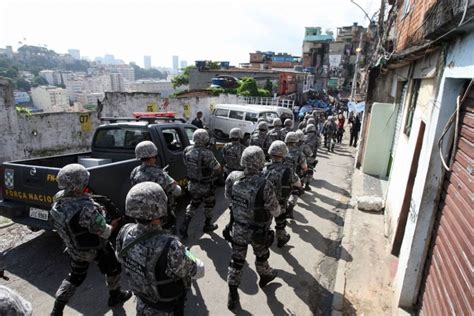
(268, 86)
(23, 85)
(248, 87)
(213, 65)
(182, 79)
(38, 81)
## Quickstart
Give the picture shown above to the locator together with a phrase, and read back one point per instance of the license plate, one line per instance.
(39, 214)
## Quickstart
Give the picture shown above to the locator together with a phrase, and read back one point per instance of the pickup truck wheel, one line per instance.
(33, 229)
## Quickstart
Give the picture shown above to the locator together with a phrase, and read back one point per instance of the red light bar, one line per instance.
(154, 114)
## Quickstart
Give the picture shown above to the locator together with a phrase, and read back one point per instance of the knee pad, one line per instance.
(237, 263)
(264, 257)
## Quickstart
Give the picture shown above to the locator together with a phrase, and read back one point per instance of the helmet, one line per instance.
(291, 137)
(262, 125)
(307, 116)
(276, 122)
(333, 118)
(253, 158)
(73, 177)
(289, 123)
(310, 128)
(235, 133)
(330, 118)
(301, 125)
(200, 137)
(11, 303)
(310, 121)
(146, 201)
(278, 149)
(299, 133)
(146, 149)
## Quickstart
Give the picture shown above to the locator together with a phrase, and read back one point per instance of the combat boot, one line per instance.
(118, 296)
(283, 241)
(289, 211)
(307, 187)
(265, 279)
(208, 226)
(233, 297)
(226, 233)
(58, 308)
(183, 231)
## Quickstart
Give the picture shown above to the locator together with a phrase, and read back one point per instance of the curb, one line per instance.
(8, 223)
(340, 281)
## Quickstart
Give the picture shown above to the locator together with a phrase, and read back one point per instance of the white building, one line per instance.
(175, 64)
(147, 62)
(50, 99)
(116, 82)
(51, 76)
(74, 87)
(165, 88)
(127, 72)
(183, 64)
(89, 98)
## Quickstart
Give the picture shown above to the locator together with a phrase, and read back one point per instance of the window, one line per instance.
(172, 139)
(189, 132)
(406, 8)
(120, 138)
(412, 106)
(236, 115)
(221, 112)
(269, 116)
(251, 117)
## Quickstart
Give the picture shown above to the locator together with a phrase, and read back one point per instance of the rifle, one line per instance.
(111, 210)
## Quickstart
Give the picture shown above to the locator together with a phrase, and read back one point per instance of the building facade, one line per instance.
(147, 62)
(424, 71)
(50, 98)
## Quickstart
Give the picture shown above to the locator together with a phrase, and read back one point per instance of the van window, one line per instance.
(236, 115)
(269, 116)
(251, 117)
(221, 112)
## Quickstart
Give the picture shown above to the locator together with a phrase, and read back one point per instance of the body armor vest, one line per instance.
(146, 263)
(279, 175)
(194, 164)
(247, 201)
(65, 213)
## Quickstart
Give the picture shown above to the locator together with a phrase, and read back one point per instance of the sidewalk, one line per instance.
(363, 285)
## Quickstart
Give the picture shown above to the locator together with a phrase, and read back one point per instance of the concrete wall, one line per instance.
(124, 104)
(430, 176)
(42, 134)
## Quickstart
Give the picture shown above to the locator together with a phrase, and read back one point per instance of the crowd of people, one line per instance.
(264, 180)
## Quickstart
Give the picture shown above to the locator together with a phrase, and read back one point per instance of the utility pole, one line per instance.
(356, 68)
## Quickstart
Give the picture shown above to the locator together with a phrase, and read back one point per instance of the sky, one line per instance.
(220, 30)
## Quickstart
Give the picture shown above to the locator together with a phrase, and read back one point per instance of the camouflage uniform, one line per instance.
(81, 224)
(275, 133)
(158, 266)
(253, 203)
(146, 172)
(329, 129)
(201, 167)
(12, 304)
(259, 137)
(297, 162)
(232, 152)
(282, 178)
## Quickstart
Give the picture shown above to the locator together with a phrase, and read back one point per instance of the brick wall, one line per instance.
(410, 26)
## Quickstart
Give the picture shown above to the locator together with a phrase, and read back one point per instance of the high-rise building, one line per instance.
(116, 82)
(127, 72)
(50, 98)
(75, 53)
(109, 59)
(175, 64)
(183, 64)
(51, 76)
(147, 62)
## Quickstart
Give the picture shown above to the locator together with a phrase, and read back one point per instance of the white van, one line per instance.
(225, 117)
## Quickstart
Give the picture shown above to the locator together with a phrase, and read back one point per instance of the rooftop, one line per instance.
(318, 38)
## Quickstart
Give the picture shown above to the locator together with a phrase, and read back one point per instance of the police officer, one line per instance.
(254, 203)
(12, 304)
(283, 179)
(159, 267)
(288, 128)
(80, 222)
(149, 170)
(275, 133)
(308, 146)
(202, 167)
(260, 138)
(330, 129)
(232, 153)
(297, 162)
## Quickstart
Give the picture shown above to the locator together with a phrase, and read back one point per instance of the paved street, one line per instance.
(306, 266)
